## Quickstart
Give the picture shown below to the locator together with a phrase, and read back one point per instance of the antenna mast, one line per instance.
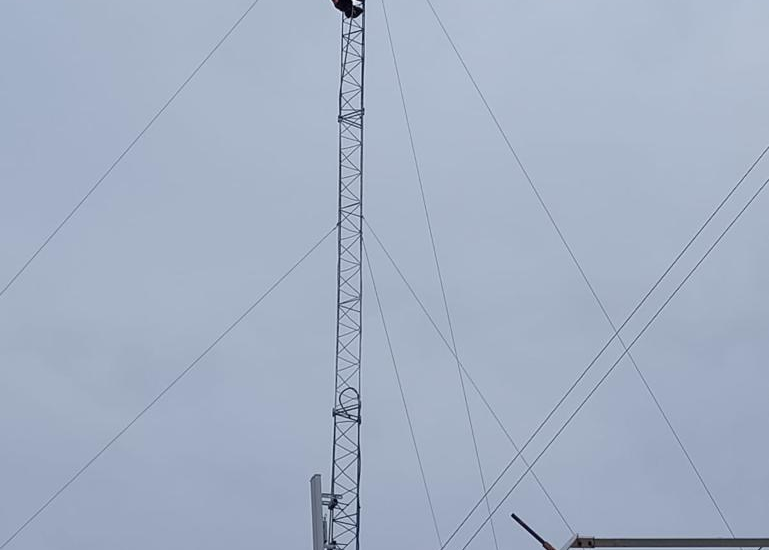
(340, 532)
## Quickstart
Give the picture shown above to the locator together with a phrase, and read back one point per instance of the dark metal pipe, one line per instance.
(531, 531)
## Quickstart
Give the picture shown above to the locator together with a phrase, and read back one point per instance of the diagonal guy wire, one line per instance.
(582, 272)
(614, 365)
(445, 341)
(165, 390)
(125, 152)
(438, 270)
(403, 398)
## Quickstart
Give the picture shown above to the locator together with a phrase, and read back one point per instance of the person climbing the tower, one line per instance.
(351, 8)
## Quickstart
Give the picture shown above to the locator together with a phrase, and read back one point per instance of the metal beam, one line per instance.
(592, 542)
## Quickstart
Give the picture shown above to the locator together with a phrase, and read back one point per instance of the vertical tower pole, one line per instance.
(344, 505)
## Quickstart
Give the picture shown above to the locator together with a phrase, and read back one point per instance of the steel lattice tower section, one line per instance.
(344, 508)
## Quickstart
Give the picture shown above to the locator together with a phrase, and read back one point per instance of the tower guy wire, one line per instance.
(438, 270)
(72, 479)
(403, 398)
(645, 383)
(125, 152)
(477, 389)
(619, 359)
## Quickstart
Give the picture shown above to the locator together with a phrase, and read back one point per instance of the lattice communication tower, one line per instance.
(341, 529)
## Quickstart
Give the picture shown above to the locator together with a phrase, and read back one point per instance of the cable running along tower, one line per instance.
(339, 531)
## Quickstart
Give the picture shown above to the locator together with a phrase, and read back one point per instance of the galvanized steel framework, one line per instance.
(344, 509)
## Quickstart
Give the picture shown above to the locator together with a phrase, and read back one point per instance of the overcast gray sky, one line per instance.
(634, 119)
